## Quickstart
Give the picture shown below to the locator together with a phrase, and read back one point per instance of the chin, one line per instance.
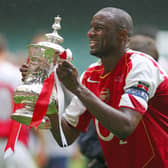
(96, 54)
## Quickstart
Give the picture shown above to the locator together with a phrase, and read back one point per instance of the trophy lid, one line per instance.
(48, 45)
(54, 36)
(53, 39)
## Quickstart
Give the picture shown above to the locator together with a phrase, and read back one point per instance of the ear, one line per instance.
(124, 35)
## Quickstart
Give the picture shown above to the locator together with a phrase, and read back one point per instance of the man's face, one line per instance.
(103, 35)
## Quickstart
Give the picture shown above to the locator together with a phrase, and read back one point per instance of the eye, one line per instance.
(98, 28)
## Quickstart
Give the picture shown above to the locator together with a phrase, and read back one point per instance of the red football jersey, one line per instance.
(137, 82)
(10, 78)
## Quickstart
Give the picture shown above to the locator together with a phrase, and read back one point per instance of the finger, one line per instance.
(67, 64)
(24, 68)
(23, 76)
(25, 65)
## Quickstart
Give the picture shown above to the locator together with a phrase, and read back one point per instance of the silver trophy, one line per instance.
(41, 63)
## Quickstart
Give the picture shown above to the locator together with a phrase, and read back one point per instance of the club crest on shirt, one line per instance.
(105, 94)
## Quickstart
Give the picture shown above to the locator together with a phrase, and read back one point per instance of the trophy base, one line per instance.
(24, 117)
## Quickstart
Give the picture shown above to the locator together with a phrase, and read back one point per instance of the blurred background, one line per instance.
(20, 21)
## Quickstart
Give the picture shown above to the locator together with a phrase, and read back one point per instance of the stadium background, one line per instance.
(20, 20)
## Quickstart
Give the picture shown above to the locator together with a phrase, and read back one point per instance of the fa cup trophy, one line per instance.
(45, 55)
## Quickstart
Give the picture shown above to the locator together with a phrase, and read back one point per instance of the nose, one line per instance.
(90, 32)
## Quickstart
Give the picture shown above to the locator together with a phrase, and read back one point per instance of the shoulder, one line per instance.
(14, 70)
(95, 67)
(10, 74)
(144, 69)
(138, 57)
(144, 62)
(9, 67)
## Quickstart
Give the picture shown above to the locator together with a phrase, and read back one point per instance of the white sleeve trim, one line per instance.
(126, 102)
(73, 111)
(144, 70)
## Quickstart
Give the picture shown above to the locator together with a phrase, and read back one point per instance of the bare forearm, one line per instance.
(70, 133)
(55, 127)
(115, 121)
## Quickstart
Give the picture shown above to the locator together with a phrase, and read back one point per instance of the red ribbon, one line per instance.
(63, 55)
(42, 102)
(14, 130)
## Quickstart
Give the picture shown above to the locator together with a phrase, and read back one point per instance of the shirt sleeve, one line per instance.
(141, 83)
(76, 113)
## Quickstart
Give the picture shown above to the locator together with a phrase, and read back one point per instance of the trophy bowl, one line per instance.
(42, 60)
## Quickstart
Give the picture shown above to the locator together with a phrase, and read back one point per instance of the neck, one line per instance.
(110, 61)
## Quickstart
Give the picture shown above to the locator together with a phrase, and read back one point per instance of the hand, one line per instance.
(68, 75)
(24, 70)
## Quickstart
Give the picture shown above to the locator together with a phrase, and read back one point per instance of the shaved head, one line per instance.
(109, 32)
(122, 18)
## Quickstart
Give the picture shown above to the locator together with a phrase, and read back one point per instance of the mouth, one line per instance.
(92, 43)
